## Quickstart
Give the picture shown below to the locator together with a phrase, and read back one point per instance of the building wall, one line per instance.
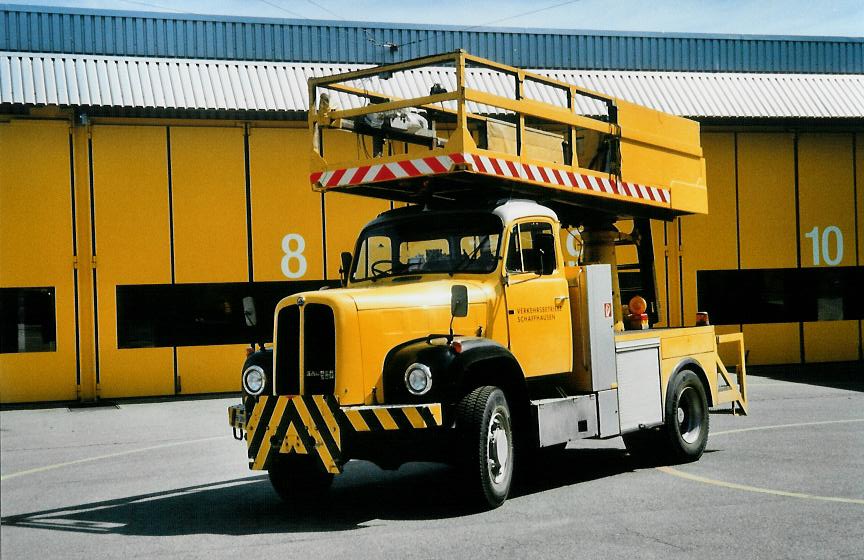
(37, 251)
(185, 214)
(208, 208)
(782, 210)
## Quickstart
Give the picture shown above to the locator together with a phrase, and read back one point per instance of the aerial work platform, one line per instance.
(456, 127)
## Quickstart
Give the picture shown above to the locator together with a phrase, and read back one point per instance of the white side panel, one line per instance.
(601, 329)
(607, 413)
(639, 399)
(566, 419)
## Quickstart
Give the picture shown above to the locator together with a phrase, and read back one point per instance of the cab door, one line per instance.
(538, 310)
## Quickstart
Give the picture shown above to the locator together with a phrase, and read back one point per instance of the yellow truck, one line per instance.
(467, 329)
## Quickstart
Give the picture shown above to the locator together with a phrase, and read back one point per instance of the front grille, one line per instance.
(287, 358)
(319, 350)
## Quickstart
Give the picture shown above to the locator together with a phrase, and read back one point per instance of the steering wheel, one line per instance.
(378, 272)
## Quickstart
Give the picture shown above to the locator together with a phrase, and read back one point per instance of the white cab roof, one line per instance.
(515, 209)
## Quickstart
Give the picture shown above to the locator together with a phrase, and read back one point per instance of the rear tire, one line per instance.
(686, 423)
(485, 429)
(298, 478)
(684, 434)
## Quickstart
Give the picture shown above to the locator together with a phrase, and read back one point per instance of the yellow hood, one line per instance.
(413, 294)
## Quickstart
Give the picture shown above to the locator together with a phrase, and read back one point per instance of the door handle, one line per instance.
(559, 300)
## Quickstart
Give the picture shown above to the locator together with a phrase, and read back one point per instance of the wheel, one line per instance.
(685, 431)
(298, 478)
(484, 422)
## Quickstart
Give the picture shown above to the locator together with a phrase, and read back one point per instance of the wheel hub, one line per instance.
(498, 448)
(689, 415)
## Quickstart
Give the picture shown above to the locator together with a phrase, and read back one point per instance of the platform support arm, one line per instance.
(736, 393)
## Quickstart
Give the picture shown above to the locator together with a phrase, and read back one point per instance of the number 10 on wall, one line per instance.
(828, 246)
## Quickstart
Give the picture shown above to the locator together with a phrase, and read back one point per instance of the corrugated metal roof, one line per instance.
(128, 82)
(116, 33)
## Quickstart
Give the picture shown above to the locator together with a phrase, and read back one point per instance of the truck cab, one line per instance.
(508, 256)
(460, 332)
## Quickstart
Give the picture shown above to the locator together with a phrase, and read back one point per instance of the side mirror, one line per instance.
(345, 267)
(459, 301)
(249, 311)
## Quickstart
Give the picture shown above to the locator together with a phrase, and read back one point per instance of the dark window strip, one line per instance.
(781, 295)
(164, 315)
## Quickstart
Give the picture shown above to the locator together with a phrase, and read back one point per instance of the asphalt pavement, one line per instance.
(167, 480)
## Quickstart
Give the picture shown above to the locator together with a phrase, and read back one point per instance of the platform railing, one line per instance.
(455, 105)
(508, 124)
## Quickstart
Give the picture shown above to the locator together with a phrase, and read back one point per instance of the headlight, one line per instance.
(418, 379)
(254, 380)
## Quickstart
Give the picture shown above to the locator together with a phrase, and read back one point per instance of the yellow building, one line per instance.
(142, 198)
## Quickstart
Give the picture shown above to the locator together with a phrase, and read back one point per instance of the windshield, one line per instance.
(429, 243)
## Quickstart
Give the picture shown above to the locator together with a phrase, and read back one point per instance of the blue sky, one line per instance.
(760, 17)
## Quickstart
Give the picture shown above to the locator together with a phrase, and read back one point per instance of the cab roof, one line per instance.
(506, 210)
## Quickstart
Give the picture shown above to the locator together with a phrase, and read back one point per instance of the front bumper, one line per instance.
(317, 425)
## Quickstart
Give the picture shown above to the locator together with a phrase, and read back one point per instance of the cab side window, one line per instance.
(532, 248)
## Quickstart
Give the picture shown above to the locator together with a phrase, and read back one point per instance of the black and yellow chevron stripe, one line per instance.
(377, 418)
(315, 424)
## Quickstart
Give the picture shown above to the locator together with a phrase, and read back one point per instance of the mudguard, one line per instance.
(450, 368)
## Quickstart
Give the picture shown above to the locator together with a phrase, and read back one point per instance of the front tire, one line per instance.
(484, 421)
(298, 478)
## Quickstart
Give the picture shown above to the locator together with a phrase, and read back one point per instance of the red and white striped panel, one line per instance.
(488, 166)
(387, 171)
(560, 177)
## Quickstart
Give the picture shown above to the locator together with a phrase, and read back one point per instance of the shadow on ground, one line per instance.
(840, 375)
(248, 505)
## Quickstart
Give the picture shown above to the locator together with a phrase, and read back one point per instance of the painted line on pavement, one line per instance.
(735, 486)
(108, 456)
(780, 426)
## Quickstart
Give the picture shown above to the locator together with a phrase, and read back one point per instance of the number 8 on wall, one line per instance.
(293, 263)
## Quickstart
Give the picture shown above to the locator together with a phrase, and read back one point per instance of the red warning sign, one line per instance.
(607, 309)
